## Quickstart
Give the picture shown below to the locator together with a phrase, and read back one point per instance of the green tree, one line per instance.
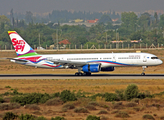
(136, 35)
(156, 18)
(129, 21)
(144, 20)
(161, 23)
(4, 19)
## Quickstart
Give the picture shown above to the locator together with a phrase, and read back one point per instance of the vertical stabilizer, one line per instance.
(21, 47)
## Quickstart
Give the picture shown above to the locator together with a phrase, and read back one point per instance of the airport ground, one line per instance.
(91, 86)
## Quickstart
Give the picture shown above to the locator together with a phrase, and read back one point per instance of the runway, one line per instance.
(71, 76)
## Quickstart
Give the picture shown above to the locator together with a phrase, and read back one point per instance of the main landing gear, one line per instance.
(143, 67)
(79, 73)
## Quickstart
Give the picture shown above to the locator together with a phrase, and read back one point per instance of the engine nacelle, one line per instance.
(108, 69)
(91, 68)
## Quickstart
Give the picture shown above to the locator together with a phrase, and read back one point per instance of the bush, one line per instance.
(69, 106)
(41, 118)
(66, 95)
(15, 92)
(56, 95)
(111, 97)
(104, 118)
(103, 112)
(31, 98)
(10, 116)
(58, 118)
(114, 112)
(135, 100)
(26, 117)
(90, 117)
(32, 107)
(80, 94)
(122, 114)
(7, 99)
(37, 113)
(131, 92)
(120, 94)
(54, 101)
(91, 107)
(7, 87)
(137, 109)
(144, 95)
(162, 118)
(81, 110)
(1, 100)
(150, 117)
(117, 105)
(131, 104)
(9, 106)
(97, 95)
(94, 103)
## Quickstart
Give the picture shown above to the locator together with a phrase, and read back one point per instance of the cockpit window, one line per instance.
(154, 57)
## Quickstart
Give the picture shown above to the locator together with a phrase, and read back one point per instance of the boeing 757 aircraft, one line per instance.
(85, 63)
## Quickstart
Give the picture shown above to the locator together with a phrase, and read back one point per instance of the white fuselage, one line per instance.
(105, 59)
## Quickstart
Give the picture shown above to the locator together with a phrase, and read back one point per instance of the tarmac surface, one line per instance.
(72, 76)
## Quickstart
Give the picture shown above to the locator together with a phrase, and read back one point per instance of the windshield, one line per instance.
(154, 57)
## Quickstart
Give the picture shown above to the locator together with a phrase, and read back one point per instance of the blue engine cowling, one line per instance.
(107, 69)
(91, 68)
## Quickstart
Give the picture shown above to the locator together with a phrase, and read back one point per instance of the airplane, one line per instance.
(85, 63)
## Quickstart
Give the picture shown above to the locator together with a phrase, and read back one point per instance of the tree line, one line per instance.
(147, 28)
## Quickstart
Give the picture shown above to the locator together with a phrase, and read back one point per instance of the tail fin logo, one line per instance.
(18, 44)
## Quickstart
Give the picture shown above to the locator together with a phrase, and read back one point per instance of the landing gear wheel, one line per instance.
(78, 74)
(142, 74)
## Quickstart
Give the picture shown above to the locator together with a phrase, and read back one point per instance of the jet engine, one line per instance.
(91, 68)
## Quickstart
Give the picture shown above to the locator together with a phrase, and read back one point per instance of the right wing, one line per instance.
(69, 63)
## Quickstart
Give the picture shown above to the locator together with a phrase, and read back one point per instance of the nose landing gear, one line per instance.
(143, 67)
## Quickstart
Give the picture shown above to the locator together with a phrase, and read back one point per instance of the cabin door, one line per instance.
(144, 58)
(114, 58)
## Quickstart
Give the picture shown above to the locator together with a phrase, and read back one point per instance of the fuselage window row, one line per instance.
(82, 58)
(129, 58)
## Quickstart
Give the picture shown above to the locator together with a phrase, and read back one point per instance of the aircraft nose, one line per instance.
(160, 61)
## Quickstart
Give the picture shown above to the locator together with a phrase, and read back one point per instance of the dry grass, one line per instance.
(89, 86)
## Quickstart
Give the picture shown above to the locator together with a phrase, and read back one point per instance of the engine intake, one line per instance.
(91, 68)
